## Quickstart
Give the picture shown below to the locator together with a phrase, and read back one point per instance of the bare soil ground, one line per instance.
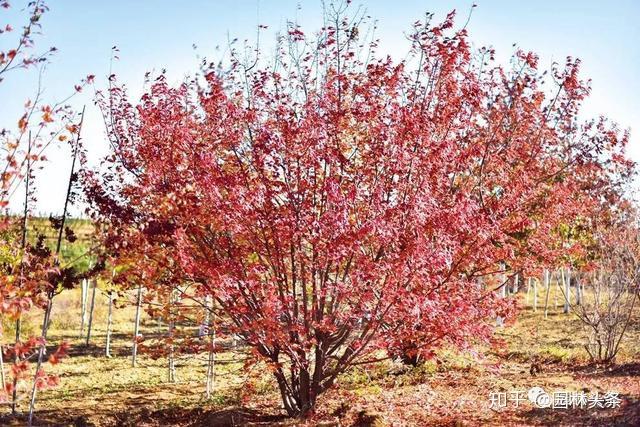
(452, 390)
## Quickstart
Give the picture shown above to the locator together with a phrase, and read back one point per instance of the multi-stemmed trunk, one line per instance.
(299, 395)
(300, 385)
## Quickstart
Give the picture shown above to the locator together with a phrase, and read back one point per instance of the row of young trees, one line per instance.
(602, 295)
(330, 206)
(339, 207)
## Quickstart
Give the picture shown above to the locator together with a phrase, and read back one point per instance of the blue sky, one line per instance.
(153, 35)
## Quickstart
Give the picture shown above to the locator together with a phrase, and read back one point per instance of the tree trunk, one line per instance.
(547, 284)
(84, 291)
(503, 289)
(567, 291)
(136, 327)
(535, 294)
(555, 292)
(172, 362)
(93, 303)
(107, 348)
(578, 291)
(2, 378)
(503, 292)
(25, 221)
(41, 351)
(16, 359)
(211, 330)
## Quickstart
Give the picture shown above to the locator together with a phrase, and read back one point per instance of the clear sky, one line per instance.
(159, 34)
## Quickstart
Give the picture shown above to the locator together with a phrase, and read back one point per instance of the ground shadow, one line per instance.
(602, 371)
(627, 415)
(165, 417)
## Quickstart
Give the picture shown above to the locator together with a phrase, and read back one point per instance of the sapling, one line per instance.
(51, 292)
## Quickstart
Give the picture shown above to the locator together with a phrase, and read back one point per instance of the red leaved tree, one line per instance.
(339, 206)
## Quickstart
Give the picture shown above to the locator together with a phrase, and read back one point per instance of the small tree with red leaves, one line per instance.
(338, 206)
